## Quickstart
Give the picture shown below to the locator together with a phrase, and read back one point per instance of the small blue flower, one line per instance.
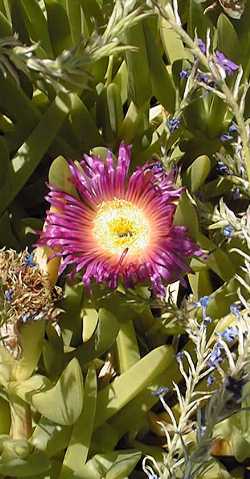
(173, 124)
(215, 357)
(180, 356)
(153, 476)
(233, 128)
(228, 66)
(184, 74)
(29, 261)
(203, 301)
(225, 137)
(203, 77)
(9, 295)
(210, 380)
(222, 169)
(202, 46)
(235, 310)
(230, 334)
(228, 231)
(161, 391)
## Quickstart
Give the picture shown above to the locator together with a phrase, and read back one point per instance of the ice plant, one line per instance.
(121, 226)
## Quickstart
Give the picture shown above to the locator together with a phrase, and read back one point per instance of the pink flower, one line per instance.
(121, 227)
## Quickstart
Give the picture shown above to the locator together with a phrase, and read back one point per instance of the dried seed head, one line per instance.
(25, 295)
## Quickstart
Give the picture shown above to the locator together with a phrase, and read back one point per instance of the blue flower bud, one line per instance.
(215, 357)
(184, 74)
(9, 295)
(229, 334)
(161, 391)
(225, 137)
(210, 380)
(29, 261)
(222, 169)
(228, 231)
(235, 310)
(203, 301)
(173, 124)
(233, 128)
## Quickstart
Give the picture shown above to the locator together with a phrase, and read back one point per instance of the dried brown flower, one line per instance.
(25, 295)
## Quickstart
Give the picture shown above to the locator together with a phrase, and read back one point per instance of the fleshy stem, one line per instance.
(169, 15)
(21, 424)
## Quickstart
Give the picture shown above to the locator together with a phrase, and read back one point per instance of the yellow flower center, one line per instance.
(119, 225)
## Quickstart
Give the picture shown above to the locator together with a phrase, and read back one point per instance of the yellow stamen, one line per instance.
(120, 225)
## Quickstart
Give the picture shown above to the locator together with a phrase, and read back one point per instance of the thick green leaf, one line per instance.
(101, 465)
(7, 234)
(186, 215)
(71, 322)
(18, 107)
(50, 437)
(127, 347)
(31, 152)
(115, 110)
(59, 176)
(92, 10)
(133, 123)
(121, 80)
(5, 420)
(139, 78)
(36, 25)
(5, 26)
(132, 417)
(90, 321)
(228, 41)
(217, 259)
(74, 15)
(31, 339)
(222, 298)
(18, 20)
(104, 439)
(197, 173)
(198, 23)
(63, 402)
(123, 466)
(77, 451)
(58, 25)
(83, 124)
(102, 339)
(201, 284)
(26, 388)
(162, 84)
(172, 42)
(35, 463)
(127, 386)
